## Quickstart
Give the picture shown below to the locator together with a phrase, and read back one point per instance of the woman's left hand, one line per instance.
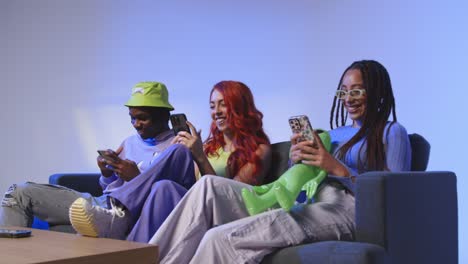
(192, 141)
(320, 157)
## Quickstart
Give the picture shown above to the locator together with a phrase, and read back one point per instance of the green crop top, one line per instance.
(218, 163)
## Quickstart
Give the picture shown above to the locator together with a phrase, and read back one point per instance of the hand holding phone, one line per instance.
(179, 123)
(301, 125)
(14, 233)
(109, 156)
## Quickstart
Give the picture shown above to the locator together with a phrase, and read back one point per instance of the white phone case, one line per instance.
(301, 124)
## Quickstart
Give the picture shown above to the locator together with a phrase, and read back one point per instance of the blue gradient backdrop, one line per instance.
(67, 68)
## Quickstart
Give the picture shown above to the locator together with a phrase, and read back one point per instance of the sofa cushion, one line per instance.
(82, 182)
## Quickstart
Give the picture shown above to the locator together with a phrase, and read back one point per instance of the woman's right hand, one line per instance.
(298, 149)
(315, 154)
(192, 141)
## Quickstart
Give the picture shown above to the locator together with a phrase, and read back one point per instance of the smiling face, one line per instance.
(355, 105)
(219, 111)
(142, 121)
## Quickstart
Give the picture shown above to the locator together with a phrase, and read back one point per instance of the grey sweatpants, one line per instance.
(211, 225)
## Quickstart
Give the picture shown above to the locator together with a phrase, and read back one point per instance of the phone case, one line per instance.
(13, 233)
(179, 123)
(301, 124)
(106, 155)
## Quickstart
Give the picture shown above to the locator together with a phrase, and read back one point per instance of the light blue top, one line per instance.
(397, 149)
(142, 152)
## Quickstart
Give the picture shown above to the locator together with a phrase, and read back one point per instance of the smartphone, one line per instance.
(301, 124)
(107, 154)
(14, 233)
(179, 123)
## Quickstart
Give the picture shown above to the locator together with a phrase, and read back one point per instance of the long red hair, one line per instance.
(245, 122)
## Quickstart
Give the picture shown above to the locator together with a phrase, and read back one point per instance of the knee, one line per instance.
(163, 185)
(213, 238)
(168, 191)
(217, 247)
(208, 179)
(167, 186)
(204, 182)
(14, 194)
(179, 150)
(214, 181)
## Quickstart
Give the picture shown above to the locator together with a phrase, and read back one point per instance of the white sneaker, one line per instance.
(96, 221)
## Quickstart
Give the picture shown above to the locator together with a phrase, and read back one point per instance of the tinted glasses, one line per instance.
(355, 93)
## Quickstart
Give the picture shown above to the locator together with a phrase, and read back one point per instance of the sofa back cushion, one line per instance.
(420, 150)
(279, 160)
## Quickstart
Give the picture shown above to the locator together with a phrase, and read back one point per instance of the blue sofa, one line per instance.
(405, 217)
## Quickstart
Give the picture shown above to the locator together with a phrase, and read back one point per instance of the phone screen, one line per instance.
(179, 123)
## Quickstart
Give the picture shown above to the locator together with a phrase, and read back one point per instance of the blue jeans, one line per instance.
(48, 202)
(149, 197)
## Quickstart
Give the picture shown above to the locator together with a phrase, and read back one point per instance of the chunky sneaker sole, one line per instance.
(80, 220)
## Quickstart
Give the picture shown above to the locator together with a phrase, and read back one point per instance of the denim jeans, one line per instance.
(48, 202)
(149, 197)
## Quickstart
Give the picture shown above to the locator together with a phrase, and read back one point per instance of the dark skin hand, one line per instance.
(125, 169)
(193, 142)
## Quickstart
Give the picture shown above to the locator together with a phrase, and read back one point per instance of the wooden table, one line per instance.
(55, 247)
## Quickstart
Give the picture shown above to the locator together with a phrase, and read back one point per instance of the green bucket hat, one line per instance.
(153, 94)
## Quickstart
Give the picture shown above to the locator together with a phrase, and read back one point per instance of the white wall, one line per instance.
(68, 66)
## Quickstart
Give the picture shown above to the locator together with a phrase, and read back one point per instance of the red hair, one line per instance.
(245, 121)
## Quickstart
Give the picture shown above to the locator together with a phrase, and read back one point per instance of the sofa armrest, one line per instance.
(82, 182)
(413, 215)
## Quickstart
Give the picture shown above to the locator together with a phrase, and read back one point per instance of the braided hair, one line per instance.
(380, 104)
